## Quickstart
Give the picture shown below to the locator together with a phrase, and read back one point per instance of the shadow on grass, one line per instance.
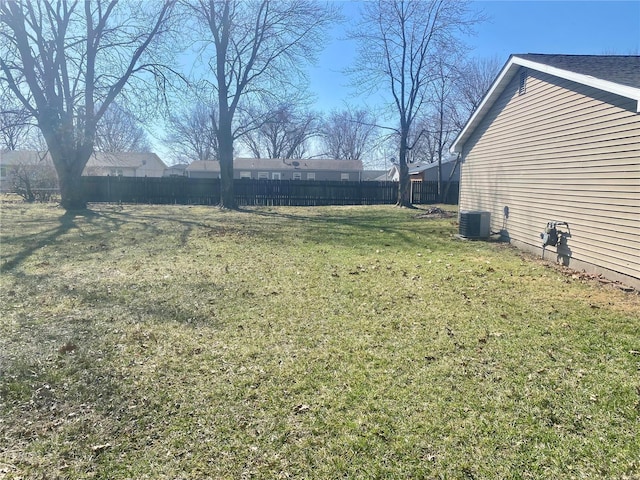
(112, 223)
(339, 227)
(35, 241)
(335, 228)
(69, 395)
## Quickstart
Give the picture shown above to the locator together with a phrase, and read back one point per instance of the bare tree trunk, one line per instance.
(404, 184)
(69, 158)
(71, 191)
(256, 47)
(440, 147)
(69, 166)
(224, 133)
(398, 43)
(227, 197)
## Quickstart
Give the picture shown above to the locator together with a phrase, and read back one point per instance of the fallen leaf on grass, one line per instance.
(100, 448)
(302, 408)
(67, 348)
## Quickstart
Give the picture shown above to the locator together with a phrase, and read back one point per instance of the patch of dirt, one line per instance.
(581, 275)
(584, 276)
(436, 212)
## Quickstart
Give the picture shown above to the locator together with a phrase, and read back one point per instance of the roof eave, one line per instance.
(604, 85)
(494, 91)
(507, 73)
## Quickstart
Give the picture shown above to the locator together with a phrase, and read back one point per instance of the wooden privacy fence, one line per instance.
(427, 192)
(206, 191)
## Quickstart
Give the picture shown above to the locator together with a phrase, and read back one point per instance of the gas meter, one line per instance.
(552, 236)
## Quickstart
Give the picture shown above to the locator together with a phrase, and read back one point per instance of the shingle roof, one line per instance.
(126, 159)
(421, 167)
(305, 164)
(622, 69)
(25, 157)
(204, 166)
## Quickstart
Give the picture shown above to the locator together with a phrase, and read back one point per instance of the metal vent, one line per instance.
(522, 87)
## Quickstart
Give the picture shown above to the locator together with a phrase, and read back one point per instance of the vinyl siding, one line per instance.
(562, 151)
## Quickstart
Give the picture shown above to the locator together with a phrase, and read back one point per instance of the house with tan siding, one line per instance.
(557, 139)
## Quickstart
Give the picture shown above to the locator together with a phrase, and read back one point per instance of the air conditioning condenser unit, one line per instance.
(475, 224)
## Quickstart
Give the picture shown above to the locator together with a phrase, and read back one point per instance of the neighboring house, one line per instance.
(177, 170)
(557, 138)
(128, 164)
(428, 172)
(279, 169)
(26, 172)
(203, 169)
(375, 176)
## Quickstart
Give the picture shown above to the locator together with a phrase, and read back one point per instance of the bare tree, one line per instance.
(473, 81)
(119, 131)
(348, 134)
(192, 133)
(67, 61)
(258, 48)
(33, 181)
(442, 125)
(283, 133)
(454, 94)
(15, 128)
(475, 77)
(421, 138)
(15, 122)
(399, 43)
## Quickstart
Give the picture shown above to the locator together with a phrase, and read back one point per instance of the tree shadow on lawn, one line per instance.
(338, 227)
(188, 227)
(109, 222)
(238, 226)
(342, 228)
(65, 388)
(69, 378)
(59, 388)
(32, 242)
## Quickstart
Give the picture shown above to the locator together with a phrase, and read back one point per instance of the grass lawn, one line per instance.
(151, 342)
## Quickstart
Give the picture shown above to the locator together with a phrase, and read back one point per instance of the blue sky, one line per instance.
(563, 27)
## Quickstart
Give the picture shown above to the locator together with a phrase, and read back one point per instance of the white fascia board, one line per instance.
(507, 74)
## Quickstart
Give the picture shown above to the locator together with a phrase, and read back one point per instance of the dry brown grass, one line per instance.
(358, 342)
